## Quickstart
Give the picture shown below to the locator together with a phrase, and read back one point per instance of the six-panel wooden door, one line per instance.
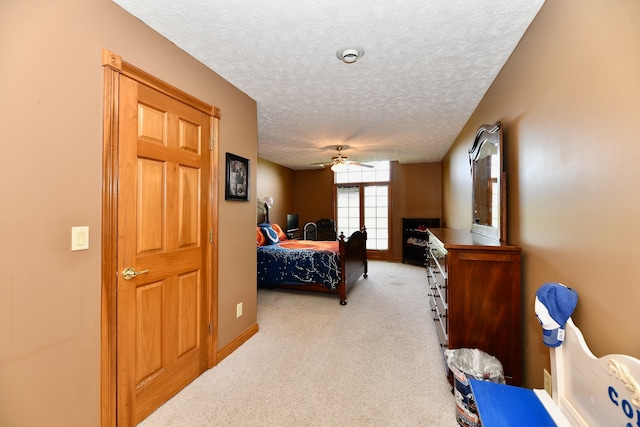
(163, 186)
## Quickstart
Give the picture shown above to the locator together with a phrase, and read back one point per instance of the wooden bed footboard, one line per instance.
(353, 264)
(353, 259)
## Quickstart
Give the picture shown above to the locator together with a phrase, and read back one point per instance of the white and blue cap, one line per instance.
(554, 305)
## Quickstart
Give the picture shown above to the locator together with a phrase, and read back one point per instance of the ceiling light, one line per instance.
(339, 167)
(350, 55)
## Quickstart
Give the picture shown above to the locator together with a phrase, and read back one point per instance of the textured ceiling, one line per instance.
(427, 65)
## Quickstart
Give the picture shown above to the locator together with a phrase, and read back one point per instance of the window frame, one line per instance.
(371, 253)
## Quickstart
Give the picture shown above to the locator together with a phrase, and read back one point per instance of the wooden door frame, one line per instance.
(114, 67)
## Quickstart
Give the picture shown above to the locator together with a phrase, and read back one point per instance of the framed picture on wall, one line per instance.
(237, 178)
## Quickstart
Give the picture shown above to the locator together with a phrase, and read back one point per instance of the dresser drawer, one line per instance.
(440, 318)
(438, 306)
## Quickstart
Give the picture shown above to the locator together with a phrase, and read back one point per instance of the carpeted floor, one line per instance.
(374, 362)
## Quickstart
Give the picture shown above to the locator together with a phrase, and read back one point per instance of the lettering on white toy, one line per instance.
(625, 405)
(621, 372)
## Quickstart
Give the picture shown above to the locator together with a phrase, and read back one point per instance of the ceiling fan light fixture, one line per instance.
(350, 55)
(339, 167)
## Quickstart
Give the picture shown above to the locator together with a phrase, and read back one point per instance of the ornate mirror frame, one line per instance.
(488, 196)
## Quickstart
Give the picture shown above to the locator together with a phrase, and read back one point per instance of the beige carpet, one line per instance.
(373, 362)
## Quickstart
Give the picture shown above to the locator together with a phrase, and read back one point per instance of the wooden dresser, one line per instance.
(475, 296)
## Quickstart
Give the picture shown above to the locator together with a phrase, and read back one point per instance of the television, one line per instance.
(292, 223)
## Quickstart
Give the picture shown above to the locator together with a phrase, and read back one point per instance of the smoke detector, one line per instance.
(350, 55)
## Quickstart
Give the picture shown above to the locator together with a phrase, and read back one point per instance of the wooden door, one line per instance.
(163, 190)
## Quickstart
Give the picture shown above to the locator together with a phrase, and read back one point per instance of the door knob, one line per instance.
(130, 273)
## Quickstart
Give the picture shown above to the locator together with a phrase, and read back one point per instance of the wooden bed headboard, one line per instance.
(261, 212)
(594, 391)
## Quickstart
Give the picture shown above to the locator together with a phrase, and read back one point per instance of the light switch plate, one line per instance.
(238, 310)
(547, 381)
(80, 238)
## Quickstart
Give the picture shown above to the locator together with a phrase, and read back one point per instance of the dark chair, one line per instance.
(326, 229)
(310, 231)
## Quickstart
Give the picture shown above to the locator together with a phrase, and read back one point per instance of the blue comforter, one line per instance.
(278, 265)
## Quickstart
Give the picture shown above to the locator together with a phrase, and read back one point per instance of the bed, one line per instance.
(318, 266)
(587, 391)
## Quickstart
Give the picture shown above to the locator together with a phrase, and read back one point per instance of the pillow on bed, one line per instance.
(271, 235)
(260, 239)
(281, 234)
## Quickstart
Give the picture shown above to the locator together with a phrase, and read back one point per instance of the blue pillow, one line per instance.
(271, 235)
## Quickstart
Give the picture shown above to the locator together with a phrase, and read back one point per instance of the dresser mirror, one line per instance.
(488, 183)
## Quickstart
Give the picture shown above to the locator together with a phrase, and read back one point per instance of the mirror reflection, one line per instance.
(485, 157)
(485, 185)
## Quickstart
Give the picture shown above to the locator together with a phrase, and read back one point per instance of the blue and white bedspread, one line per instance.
(297, 262)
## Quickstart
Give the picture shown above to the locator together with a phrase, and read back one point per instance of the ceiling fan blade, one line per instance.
(340, 159)
(364, 165)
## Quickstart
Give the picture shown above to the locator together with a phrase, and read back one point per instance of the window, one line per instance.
(362, 198)
(380, 172)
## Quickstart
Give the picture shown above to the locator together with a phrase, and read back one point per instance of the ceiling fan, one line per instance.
(339, 163)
